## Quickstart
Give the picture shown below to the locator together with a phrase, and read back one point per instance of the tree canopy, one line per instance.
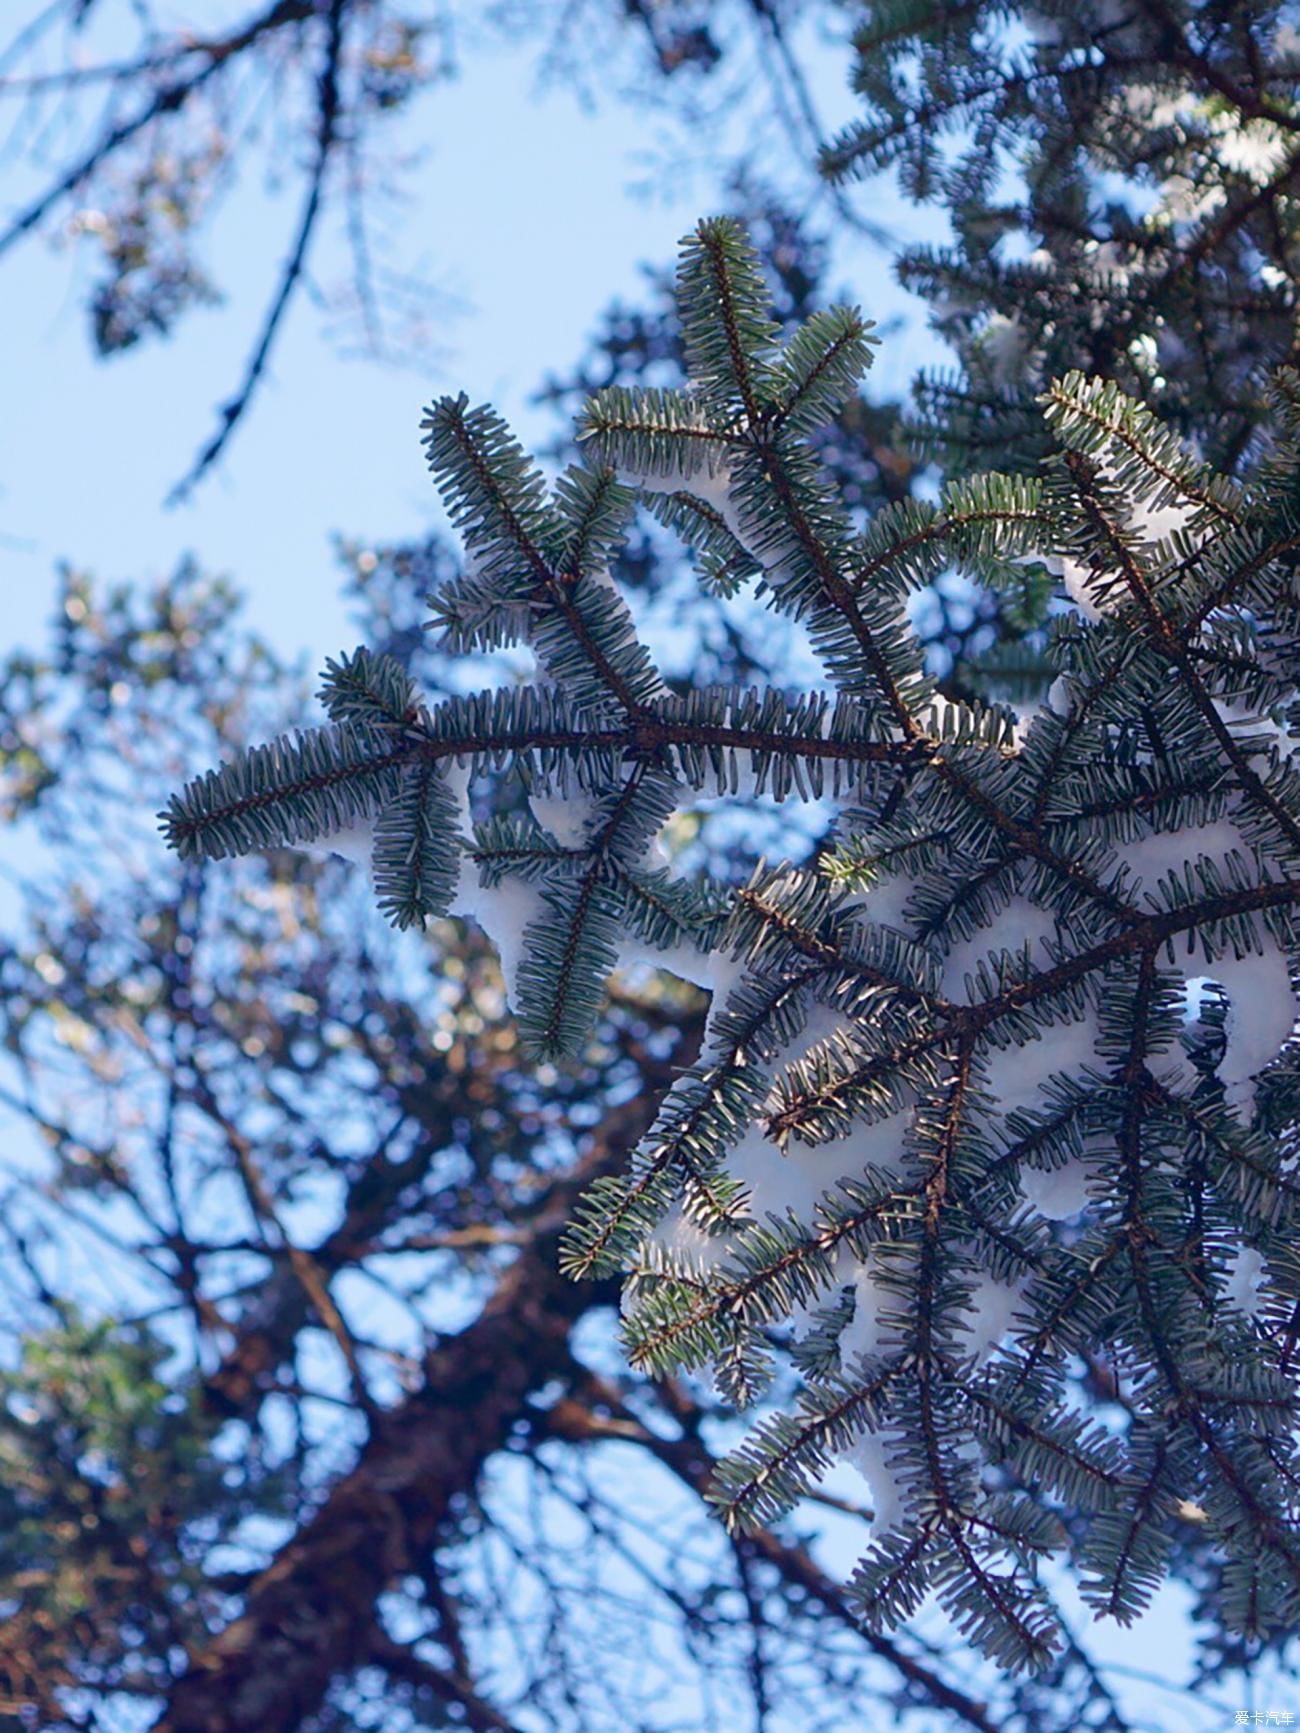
(884, 829)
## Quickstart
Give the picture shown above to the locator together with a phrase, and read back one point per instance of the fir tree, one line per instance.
(989, 1156)
(253, 1110)
(1120, 182)
(955, 1129)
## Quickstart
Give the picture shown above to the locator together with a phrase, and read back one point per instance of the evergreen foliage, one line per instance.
(1050, 1305)
(1120, 179)
(100, 1461)
(951, 1133)
(247, 1111)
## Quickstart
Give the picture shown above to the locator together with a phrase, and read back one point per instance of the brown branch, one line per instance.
(574, 1419)
(641, 737)
(168, 100)
(401, 1662)
(327, 119)
(1170, 645)
(1148, 933)
(311, 1616)
(307, 1271)
(1251, 103)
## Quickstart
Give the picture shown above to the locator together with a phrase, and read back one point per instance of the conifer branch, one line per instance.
(973, 1019)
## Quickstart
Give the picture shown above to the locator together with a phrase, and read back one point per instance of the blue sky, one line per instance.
(532, 225)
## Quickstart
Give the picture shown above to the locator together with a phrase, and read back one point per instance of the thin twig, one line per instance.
(233, 411)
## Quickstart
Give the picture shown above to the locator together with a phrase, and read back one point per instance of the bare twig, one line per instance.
(233, 411)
